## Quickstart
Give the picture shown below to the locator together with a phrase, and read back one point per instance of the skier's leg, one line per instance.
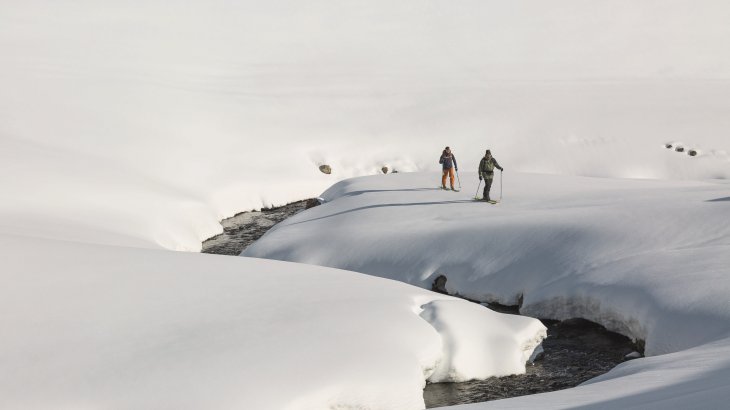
(443, 179)
(451, 177)
(487, 187)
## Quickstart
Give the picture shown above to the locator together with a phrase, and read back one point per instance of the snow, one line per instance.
(642, 257)
(129, 129)
(99, 326)
(143, 124)
(691, 379)
(645, 258)
(511, 340)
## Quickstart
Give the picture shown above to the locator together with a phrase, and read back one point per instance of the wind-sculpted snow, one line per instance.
(511, 341)
(141, 124)
(94, 326)
(649, 259)
(635, 255)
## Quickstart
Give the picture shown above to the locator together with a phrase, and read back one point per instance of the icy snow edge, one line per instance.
(473, 350)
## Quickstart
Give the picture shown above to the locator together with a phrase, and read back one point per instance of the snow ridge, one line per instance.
(648, 259)
(511, 340)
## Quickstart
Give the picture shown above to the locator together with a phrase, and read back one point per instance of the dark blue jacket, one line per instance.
(448, 161)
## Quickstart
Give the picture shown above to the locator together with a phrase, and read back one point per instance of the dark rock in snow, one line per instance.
(692, 152)
(312, 202)
(439, 285)
(326, 169)
(679, 149)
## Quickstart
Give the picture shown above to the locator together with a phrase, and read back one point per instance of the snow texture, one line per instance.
(645, 258)
(511, 341)
(135, 126)
(95, 326)
(697, 378)
(143, 124)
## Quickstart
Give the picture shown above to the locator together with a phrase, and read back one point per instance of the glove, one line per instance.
(457, 169)
(480, 177)
(501, 169)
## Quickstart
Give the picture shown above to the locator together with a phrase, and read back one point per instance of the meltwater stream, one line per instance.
(245, 228)
(575, 350)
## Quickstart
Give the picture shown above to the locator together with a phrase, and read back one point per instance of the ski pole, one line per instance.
(480, 184)
(458, 179)
(500, 186)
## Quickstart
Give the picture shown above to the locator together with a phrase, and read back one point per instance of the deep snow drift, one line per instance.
(97, 326)
(648, 259)
(142, 124)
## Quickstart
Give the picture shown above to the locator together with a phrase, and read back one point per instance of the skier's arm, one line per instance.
(455, 165)
(481, 167)
(496, 164)
(441, 159)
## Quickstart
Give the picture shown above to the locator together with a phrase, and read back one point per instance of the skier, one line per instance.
(486, 172)
(448, 160)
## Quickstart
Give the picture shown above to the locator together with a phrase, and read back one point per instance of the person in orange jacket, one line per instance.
(448, 162)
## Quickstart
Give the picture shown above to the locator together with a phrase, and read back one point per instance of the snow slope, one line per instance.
(95, 326)
(646, 258)
(144, 123)
(697, 378)
(140, 124)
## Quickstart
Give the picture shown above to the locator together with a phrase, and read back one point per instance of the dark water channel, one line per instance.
(575, 350)
(245, 228)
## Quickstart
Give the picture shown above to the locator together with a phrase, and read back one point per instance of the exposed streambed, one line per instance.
(245, 228)
(575, 350)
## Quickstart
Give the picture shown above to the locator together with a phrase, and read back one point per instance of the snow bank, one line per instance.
(691, 379)
(511, 340)
(645, 258)
(98, 326)
(141, 123)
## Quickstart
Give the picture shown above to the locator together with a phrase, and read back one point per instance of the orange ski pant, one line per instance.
(448, 173)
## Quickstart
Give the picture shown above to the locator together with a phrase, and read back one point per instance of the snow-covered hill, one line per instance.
(144, 123)
(646, 258)
(141, 123)
(97, 326)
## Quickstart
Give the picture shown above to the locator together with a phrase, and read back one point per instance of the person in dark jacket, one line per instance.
(448, 161)
(486, 172)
